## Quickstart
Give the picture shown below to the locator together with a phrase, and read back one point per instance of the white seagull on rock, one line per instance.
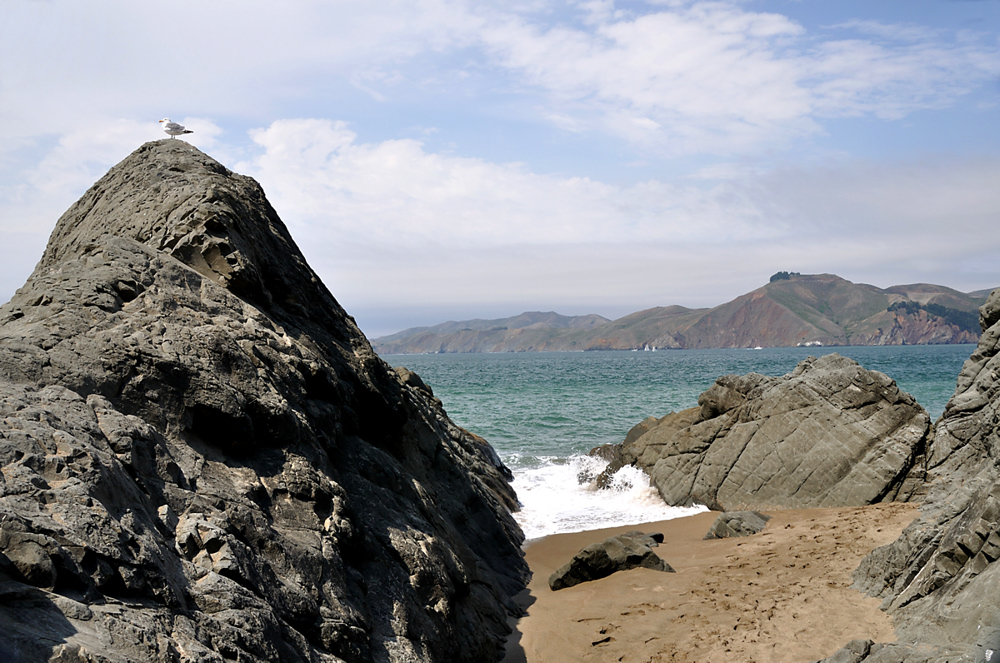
(173, 129)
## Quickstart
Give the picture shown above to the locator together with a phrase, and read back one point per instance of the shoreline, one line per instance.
(783, 595)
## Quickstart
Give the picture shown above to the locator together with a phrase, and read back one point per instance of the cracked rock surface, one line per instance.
(939, 580)
(202, 459)
(830, 433)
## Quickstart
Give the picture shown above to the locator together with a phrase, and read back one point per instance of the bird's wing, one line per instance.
(173, 126)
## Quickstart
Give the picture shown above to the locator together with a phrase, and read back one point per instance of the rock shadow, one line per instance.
(31, 623)
(513, 651)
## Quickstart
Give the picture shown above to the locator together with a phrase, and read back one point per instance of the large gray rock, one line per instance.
(631, 550)
(939, 580)
(830, 433)
(203, 459)
(737, 524)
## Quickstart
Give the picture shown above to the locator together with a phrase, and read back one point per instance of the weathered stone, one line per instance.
(830, 433)
(939, 579)
(204, 460)
(27, 559)
(737, 523)
(617, 553)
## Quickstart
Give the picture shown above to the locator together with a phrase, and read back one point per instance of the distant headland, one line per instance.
(791, 310)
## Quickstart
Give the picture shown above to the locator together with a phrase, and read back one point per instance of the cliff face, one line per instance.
(939, 579)
(822, 308)
(203, 459)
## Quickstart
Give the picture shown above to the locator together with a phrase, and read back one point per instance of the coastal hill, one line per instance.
(202, 459)
(793, 309)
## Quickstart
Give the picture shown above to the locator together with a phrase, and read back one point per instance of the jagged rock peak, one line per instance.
(176, 199)
(201, 458)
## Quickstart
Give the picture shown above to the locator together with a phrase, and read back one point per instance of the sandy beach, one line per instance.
(781, 595)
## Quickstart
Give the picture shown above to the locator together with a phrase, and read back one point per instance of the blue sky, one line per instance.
(441, 159)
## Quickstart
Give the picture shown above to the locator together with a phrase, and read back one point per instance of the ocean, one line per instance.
(544, 411)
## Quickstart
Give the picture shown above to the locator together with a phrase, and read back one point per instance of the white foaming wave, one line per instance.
(554, 501)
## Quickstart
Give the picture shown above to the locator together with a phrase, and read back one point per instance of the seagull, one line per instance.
(173, 129)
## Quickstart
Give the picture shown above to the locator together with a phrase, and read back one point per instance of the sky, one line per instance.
(445, 160)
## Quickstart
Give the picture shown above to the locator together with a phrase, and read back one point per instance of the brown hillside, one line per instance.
(822, 309)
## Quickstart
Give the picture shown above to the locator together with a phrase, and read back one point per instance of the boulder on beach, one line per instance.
(830, 433)
(204, 460)
(737, 523)
(939, 580)
(617, 553)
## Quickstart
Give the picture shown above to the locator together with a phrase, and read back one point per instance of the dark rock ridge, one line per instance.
(204, 460)
(830, 433)
(806, 309)
(736, 524)
(939, 580)
(631, 550)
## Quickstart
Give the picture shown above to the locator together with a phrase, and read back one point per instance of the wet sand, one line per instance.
(781, 595)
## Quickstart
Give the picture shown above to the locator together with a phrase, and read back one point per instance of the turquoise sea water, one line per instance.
(544, 411)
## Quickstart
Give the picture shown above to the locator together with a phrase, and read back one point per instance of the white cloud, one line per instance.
(396, 193)
(237, 58)
(391, 224)
(714, 77)
(680, 78)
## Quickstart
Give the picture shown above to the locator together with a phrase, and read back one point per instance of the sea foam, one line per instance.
(559, 496)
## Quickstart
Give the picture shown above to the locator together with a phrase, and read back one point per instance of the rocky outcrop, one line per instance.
(737, 523)
(631, 550)
(204, 460)
(830, 433)
(939, 579)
